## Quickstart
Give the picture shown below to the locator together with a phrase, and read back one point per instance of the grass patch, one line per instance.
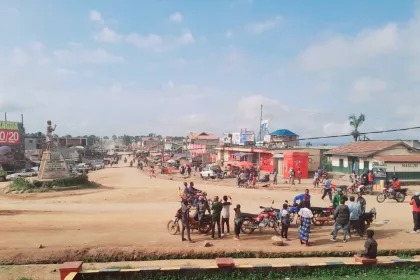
(409, 272)
(405, 256)
(72, 182)
(25, 278)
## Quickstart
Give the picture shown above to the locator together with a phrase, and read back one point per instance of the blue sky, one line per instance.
(171, 67)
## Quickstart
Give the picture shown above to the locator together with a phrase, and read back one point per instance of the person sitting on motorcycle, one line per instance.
(303, 198)
(395, 186)
(201, 208)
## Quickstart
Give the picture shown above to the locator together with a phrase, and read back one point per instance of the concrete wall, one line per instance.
(399, 150)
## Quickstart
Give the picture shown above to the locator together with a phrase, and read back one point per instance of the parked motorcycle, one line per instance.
(342, 187)
(322, 215)
(387, 194)
(268, 218)
(205, 227)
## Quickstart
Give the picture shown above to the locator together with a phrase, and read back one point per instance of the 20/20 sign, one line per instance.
(9, 137)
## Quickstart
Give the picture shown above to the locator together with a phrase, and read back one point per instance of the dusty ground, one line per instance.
(131, 213)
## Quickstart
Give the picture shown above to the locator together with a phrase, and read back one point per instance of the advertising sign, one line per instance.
(12, 148)
(236, 138)
(246, 136)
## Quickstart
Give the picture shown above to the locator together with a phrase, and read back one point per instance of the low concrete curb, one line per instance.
(228, 265)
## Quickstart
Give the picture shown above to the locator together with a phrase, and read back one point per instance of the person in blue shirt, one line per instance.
(302, 198)
(327, 189)
(355, 212)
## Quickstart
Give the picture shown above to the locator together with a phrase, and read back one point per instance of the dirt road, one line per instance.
(132, 213)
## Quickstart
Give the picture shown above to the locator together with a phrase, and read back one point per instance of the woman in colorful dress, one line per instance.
(305, 215)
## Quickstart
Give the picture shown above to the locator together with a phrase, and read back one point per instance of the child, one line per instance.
(238, 221)
(285, 221)
(225, 215)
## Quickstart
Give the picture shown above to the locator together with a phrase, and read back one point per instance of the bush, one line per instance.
(73, 181)
(21, 184)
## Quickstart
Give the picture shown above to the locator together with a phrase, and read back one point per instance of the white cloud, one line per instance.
(108, 35)
(186, 38)
(37, 46)
(97, 56)
(343, 52)
(228, 34)
(19, 57)
(151, 40)
(95, 16)
(260, 27)
(365, 88)
(176, 17)
(337, 128)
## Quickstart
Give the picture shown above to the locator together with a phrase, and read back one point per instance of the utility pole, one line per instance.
(259, 138)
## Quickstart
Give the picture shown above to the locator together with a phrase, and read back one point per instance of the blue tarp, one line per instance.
(242, 154)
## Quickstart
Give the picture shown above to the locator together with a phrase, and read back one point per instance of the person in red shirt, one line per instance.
(396, 186)
(370, 178)
(415, 201)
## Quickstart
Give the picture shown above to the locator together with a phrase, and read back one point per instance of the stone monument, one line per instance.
(53, 165)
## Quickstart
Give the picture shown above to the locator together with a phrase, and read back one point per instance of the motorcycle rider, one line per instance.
(395, 186)
(303, 198)
(201, 208)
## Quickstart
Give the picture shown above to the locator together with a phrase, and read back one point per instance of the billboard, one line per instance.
(236, 138)
(227, 138)
(246, 136)
(12, 145)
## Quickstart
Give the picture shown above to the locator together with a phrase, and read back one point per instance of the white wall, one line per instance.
(335, 161)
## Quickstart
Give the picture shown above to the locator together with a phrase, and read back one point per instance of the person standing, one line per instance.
(355, 212)
(285, 221)
(316, 180)
(415, 201)
(275, 177)
(225, 215)
(238, 221)
(216, 207)
(362, 202)
(299, 175)
(370, 179)
(327, 189)
(305, 215)
(189, 170)
(342, 218)
(185, 219)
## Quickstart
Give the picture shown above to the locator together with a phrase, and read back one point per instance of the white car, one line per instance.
(208, 172)
(99, 165)
(24, 173)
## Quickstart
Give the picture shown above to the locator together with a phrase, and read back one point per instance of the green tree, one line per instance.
(356, 122)
(308, 144)
(106, 137)
(68, 136)
(126, 140)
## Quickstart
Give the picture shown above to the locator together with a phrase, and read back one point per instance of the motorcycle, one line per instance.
(365, 189)
(366, 220)
(322, 215)
(387, 194)
(267, 218)
(342, 187)
(194, 198)
(205, 227)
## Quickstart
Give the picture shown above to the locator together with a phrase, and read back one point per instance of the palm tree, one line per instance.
(355, 122)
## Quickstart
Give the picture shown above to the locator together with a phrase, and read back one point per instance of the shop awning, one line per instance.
(278, 156)
(242, 154)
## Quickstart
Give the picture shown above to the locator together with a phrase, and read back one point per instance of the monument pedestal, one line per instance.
(53, 166)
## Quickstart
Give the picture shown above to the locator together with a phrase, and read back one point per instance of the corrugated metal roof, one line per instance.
(283, 132)
(410, 158)
(364, 148)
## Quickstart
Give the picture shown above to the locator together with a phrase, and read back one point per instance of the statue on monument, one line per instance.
(50, 139)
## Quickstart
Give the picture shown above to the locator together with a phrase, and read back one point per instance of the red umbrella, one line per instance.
(244, 164)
